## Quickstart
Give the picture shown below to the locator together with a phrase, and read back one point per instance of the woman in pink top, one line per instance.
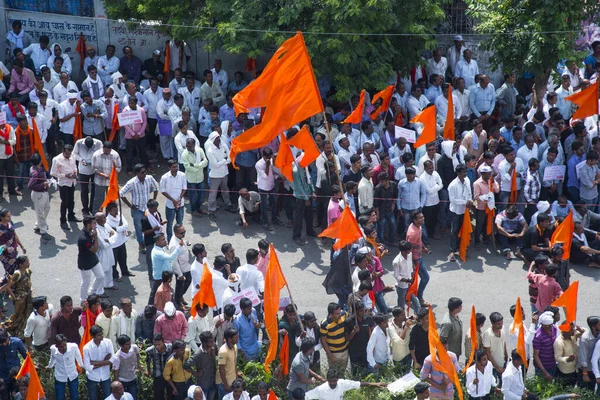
(333, 209)
(263, 256)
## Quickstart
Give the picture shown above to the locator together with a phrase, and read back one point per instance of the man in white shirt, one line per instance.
(455, 53)
(41, 123)
(250, 276)
(441, 106)
(38, 325)
(197, 325)
(437, 64)
(335, 388)
(266, 188)
(60, 91)
(480, 378)
(219, 75)
(108, 65)
(191, 95)
(212, 90)
(99, 352)
(218, 160)
(513, 387)
(173, 186)
(462, 95)
(505, 170)
(378, 347)
(467, 68)
(180, 54)
(118, 392)
(460, 197)
(416, 102)
(67, 111)
(365, 190)
(151, 98)
(403, 271)
(65, 357)
(181, 265)
(93, 83)
(107, 237)
(38, 52)
(165, 125)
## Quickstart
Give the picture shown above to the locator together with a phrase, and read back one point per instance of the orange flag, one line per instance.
(427, 118)
(474, 341)
(564, 234)
(85, 339)
(167, 64)
(274, 282)
(284, 355)
(77, 128)
(413, 289)
(490, 212)
(112, 194)
(39, 147)
(272, 395)
(439, 355)
(518, 324)
(587, 100)
(287, 88)
(345, 229)
(285, 159)
(514, 193)
(304, 141)
(357, 114)
(568, 300)
(449, 125)
(35, 390)
(465, 235)
(206, 294)
(81, 49)
(386, 96)
(115, 122)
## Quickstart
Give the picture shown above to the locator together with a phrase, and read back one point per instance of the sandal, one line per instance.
(451, 257)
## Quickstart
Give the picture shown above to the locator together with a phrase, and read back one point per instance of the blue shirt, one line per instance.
(411, 195)
(590, 60)
(9, 357)
(516, 146)
(235, 87)
(432, 93)
(472, 175)
(482, 100)
(12, 121)
(226, 113)
(506, 134)
(161, 261)
(207, 125)
(572, 180)
(248, 341)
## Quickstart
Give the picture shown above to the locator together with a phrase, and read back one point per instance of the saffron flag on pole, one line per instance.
(413, 289)
(115, 122)
(568, 300)
(386, 96)
(112, 194)
(37, 143)
(474, 341)
(274, 282)
(465, 235)
(514, 193)
(518, 324)
(345, 230)
(304, 141)
(77, 128)
(35, 391)
(206, 294)
(587, 100)
(564, 234)
(285, 159)
(449, 125)
(356, 116)
(287, 88)
(81, 49)
(284, 355)
(490, 211)
(167, 64)
(272, 395)
(439, 355)
(427, 118)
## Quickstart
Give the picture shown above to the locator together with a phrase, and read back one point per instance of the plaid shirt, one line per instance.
(26, 151)
(104, 163)
(532, 186)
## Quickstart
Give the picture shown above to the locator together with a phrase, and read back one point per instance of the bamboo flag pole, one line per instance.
(295, 307)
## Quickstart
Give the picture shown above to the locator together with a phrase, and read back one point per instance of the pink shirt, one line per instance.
(171, 329)
(263, 262)
(137, 128)
(378, 285)
(162, 296)
(481, 187)
(333, 211)
(548, 290)
(414, 237)
(21, 83)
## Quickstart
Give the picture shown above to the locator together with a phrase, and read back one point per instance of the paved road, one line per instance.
(486, 279)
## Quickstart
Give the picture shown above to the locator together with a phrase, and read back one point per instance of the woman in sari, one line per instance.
(22, 295)
(9, 242)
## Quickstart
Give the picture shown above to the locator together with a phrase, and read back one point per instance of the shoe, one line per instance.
(74, 219)
(268, 227)
(104, 295)
(45, 236)
(111, 288)
(142, 249)
(65, 226)
(128, 274)
(300, 242)
(212, 217)
(520, 255)
(451, 257)
(36, 230)
(276, 221)
(118, 279)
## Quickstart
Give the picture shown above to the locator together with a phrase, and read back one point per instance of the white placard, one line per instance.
(249, 293)
(408, 134)
(284, 302)
(129, 117)
(2, 118)
(554, 173)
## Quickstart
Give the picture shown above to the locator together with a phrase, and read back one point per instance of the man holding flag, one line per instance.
(103, 161)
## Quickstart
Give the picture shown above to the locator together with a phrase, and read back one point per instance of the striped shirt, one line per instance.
(140, 191)
(544, 343)
(428, 371)
(334, 333)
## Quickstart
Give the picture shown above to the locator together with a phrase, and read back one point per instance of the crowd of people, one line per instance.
(405, 199)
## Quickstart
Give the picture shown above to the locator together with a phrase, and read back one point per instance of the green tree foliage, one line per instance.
(531, 35)
(257, 27)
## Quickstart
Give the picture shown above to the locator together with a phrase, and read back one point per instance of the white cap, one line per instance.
(543, 206)
(458, 38)
(71, 95)
(485, 168)
(157, 52)
(546, 318)
(169, 309)
(363, 250)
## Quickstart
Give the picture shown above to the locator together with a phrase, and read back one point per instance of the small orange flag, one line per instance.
(274, 282)
(272, 395)
(285, 159)
(115, 122)
(518, 324)
(465, 235)
(206, 294)
(35, 390)
(386, 96)
(568, 300)
(357, 114)
(39, 147)
(564, 234)
(81, 49)
(439, 355)
(427, 118)
(490, 212)
(284, 355)
(77, 128)
(167, 64)
(304, 141)
(474, 341)
(345, 229)
(514, 193)
(449, 125)
(287, 88)
(587, 100)
(85, 339)
(413, 289)
(112, 194)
